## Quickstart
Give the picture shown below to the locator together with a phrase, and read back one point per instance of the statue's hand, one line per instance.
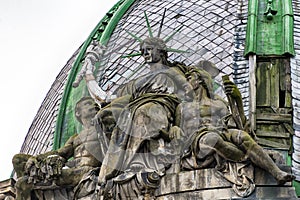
(54, 165)
(97, 118)
(175, 133)
(176, 136)
(93, 55)
(231, 89)
(101, 182)
(86, 72)
(31, 162)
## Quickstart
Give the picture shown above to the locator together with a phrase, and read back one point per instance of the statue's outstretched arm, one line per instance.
(93, 56)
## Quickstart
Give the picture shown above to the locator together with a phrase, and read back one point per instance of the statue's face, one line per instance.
(150, 53)
(87, 109)
(193, 79)
(108, 123)
(193, 86)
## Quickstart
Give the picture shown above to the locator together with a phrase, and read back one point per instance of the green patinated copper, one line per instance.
(270, 28)
(66, 124)
(251, 27)
(288, 27)
(270, 33)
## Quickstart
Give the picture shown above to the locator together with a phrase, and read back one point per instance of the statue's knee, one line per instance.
(211, 139)
(20, 158)
(207, 145)
(246, 137)
(19, 161)
(16, 159)
(243, 139)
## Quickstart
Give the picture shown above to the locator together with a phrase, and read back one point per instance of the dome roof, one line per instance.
(210, 30)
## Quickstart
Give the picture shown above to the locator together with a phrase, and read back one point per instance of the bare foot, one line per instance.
(283, 177)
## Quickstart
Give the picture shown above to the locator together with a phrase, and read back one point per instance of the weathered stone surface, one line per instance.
(261, 193)
(216, 34)
(7, 190)
(192, 180)
(206, 184)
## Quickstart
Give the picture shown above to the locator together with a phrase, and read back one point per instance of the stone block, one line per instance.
(209, 184)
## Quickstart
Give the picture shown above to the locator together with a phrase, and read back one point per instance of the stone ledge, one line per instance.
(208, 184)
(192, 180)
(7, 188)
(261, 193)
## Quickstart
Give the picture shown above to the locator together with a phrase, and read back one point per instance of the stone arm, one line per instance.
(65, 152)
(178, 115)
(175, 133)
(93, 56)
(235, 102)
(48, 166)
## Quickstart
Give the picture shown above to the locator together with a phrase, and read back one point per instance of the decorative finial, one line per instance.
(270, 11)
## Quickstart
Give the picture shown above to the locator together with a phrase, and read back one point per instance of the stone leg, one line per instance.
(259, 157)
(213, 143)
(71, 176)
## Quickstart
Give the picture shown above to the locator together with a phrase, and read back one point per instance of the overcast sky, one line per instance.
(37, 37)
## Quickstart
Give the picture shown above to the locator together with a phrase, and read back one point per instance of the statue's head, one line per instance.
(108, 118)
(200, 79)
(86, 108)
(153, 50)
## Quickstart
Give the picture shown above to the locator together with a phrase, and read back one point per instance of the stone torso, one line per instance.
(86, 148)
(207, 112)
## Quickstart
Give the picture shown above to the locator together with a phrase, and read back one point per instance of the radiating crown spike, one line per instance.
(171, 36)
(123, 45)
(176, 50)
(132, 55)
(148, 25)
(161, 23)
(134, 36)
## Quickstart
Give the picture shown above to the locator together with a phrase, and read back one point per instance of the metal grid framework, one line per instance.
(212, 30)
(207, 34)
(39, 138)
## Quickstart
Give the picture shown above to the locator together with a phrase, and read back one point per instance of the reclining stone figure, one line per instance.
(204, 121)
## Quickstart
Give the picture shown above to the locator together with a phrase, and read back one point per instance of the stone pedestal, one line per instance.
(206, 184)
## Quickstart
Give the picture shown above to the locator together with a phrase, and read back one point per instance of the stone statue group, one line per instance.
(167, 121)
